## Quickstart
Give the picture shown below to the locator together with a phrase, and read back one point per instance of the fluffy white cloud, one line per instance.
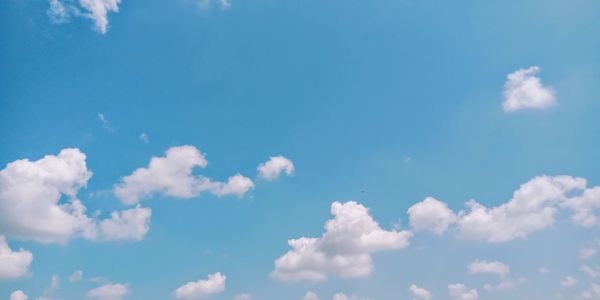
(30, 194)
(344, 250)
(532, 208)
(271, 169)
(114, 291)
(32, 205)
(459, 291)
(172, 175)
(310, 296)
(488, 267)
(524, 90)
(568, 281)
(76, 276)
(431, 214)
(60, 11)
(18, 295)
(130, 224)
(13, 264)
(202, 288)
(420, 293)
(243, 297)
(584, 207)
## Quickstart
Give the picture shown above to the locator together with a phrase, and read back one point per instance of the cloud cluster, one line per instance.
(344, 250)
(202, 288)
(13, 264)
(524, 90)
(60, 11)
(172, 175)
(533, 207)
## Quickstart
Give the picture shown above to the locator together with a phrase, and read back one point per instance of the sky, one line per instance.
(269, 150)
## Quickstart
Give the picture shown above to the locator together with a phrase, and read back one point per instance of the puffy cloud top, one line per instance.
(202, 288)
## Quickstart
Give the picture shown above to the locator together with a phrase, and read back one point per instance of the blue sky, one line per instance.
(384, 103)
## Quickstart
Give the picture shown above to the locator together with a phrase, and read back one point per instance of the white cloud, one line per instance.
(76, 276)
(115, 291)
(144, 138)
(60, 11)
(172, 175)
(488, 267)
(13, 264)
(271, 169)
(344, 250)
(459, 291)
(342, 296)
(504, 285)
(568, 281)
(524, 90)
(420, 293)
(532, 208)
(32, 205)
(431, 214)
(130, 224)
(30, 194)
(587, 253)
(206, 4)
(105, 123)
(584, 206)
(543, 270)
(243, 297)
(310, 296)
(589, 271)
(592, 293)
(18, 295)
(55, 282)
(202, 288)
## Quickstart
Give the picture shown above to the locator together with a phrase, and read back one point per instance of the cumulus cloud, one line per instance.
(110, 291)
(342, 296)
(76, 276)
(524, 90)
(310, 296)
(420, 293)
(13, 264)
(18, 295)
(459, 291)
(568, 281)
(172, 175)
(33, 204)
(532, 208)
(202, 288)
(344, 250)
(130, 224)
(60, 11)
(488, 267)
(271, 169)
(431, 214)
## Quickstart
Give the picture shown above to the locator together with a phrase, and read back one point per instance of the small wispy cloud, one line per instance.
(144, 138)
(105, 123)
